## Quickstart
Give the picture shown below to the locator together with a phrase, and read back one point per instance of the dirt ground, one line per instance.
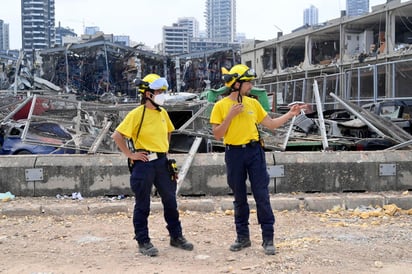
(337, 241)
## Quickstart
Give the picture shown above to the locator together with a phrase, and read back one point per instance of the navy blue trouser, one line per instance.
(240, 163)
(142, 179)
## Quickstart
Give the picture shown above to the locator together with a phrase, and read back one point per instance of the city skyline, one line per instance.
(143, 21)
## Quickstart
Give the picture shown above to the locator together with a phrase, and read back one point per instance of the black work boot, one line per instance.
(182, 243)
(269, 247)
(148, 249)
(240, 243)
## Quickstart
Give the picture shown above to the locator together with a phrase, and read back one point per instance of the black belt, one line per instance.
(159, 154)
(250, 144)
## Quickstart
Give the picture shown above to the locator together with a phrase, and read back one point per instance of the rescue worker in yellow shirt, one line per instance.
(235, 119)
(149, 127)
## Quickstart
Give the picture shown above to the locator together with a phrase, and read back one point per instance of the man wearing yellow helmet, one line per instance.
(235, 119)
(149, 127)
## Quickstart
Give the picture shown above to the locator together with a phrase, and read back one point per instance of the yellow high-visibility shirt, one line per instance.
(243, 127)
(153, 135)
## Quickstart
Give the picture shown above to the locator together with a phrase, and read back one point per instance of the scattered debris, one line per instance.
(77, 196)
(5, 197)
(87, 88)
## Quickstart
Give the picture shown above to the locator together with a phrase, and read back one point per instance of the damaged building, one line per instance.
(363, 59)
(98, 69)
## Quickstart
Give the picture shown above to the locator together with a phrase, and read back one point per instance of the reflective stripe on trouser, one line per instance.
(143, 177)
(240, 163)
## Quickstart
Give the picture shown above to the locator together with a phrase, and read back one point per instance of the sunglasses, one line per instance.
(247, 76)
(250, 73)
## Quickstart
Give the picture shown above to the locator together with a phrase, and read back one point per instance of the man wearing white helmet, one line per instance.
(149, 127)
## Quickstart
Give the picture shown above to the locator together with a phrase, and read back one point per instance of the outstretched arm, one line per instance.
(273, 123)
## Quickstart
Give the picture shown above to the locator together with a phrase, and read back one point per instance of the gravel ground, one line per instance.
(365, 240)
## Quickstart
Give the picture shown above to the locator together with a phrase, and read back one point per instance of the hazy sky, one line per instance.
(143, 20)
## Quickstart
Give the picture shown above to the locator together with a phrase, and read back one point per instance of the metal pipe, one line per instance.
(186, 165)
(177, 68)
(29, 116)
(107, 66)
(320, 115)
(67, 67)
(17, 109)
(16, 73)
(285, 142)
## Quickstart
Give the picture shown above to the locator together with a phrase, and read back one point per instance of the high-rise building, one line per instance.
(192, 25)
(357, 7)
(176, 38)
(37, 24)
(4, 36)
(221, 20)
(311, 16)
(1, 35)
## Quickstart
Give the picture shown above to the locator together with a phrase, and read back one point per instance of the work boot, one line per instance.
(148, 249)
(269, 247)
(182, 243)
(239, 244)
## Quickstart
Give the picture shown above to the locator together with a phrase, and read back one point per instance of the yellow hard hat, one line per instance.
(144, 83)
(238, 73)
(150, 78)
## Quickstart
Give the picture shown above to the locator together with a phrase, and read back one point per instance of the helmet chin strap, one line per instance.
(239, 96)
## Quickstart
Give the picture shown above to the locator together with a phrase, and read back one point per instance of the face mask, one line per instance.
(160, 99)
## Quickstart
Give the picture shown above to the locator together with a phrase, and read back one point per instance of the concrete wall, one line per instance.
(96, 175)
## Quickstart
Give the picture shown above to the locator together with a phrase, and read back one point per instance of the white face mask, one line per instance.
(160, 99)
